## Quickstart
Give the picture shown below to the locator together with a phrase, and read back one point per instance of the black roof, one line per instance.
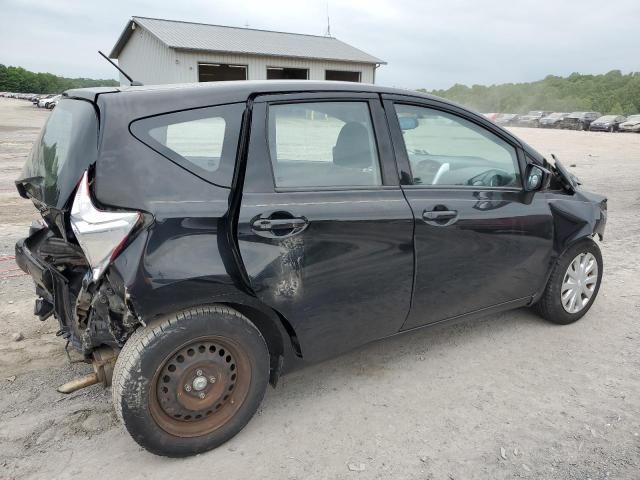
(240, 90)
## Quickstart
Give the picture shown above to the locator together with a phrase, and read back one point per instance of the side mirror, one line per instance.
(534, 178)
(408, 123)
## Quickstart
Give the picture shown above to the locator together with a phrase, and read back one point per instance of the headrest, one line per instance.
(353, 147)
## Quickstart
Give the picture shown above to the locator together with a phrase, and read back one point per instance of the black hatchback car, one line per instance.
(199, 241)
(579, 120)
(607, 123)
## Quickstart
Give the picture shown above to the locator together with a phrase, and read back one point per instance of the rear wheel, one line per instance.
(188, 383)
(573, 284)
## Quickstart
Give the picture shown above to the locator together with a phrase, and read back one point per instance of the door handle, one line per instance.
(278, 227)
(440, 218)
(439, 214)
(267, 224)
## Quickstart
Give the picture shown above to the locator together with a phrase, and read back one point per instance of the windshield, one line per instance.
(67, 145)
(607, 118)
(557, 115)
(634, 118)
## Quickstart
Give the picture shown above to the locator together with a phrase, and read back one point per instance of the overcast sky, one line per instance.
(427, 43)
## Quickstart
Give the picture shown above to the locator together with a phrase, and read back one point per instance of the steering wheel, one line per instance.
(491, 178)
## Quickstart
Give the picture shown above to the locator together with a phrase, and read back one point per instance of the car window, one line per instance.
(323, 144)
(445, 149)
(204, 141)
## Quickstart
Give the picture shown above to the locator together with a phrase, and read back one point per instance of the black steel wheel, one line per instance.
(188, 383)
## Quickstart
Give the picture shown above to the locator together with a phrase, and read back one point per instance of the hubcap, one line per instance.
(579, 282)
(200, 386)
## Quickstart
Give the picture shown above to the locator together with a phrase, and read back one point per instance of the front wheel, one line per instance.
(189, 382)
(573, 285)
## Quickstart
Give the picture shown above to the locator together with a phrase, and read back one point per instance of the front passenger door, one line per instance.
(481, 241)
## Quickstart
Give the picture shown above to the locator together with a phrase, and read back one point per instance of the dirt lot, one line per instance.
(508, 396)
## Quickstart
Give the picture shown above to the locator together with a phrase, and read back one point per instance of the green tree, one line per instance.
(17, 79)
(612, 92)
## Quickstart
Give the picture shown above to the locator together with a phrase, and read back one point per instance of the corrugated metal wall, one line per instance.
(149, 61)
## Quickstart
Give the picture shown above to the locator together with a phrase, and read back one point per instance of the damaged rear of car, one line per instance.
(87, 254)
(135, 198)
(68, 251)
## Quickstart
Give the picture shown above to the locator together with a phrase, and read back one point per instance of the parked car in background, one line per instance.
(506, 119)
(607, 123)
(254, 261)
(632, 124)
(36, 99)
(53, 102)
(579, 120)
(532, 118)
(49, 101)
(553, 120)
(42, 103)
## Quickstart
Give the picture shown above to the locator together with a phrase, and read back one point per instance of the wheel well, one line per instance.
(274, 335)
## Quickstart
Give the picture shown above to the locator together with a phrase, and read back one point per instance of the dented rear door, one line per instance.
(324, 231)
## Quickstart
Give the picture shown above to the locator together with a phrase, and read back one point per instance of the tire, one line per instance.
(550, 306)
(189, 382)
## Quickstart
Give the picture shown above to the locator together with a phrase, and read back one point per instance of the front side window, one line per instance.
(204, 141)
(447, 150)
(323, 144)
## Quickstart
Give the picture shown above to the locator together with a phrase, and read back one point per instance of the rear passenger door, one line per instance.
(325, 233)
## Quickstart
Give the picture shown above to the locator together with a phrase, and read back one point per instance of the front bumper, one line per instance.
(634, 129)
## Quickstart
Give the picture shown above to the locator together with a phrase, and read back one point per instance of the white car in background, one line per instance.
(632, 124)
(44, 102)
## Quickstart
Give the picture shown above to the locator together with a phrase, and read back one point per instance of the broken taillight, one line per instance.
(101, 234)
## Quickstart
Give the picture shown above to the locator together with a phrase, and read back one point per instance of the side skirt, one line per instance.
(501, 307)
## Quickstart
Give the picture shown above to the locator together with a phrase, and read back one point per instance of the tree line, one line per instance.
(610, 93)
(18, 79)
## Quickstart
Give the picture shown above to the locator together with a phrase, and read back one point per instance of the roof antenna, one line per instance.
(328, 32)
(132, 82)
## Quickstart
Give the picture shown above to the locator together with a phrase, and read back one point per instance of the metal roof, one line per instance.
(219, 38)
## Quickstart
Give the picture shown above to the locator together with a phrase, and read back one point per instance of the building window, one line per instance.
(214, 72)
(342, 75)
(281, 73)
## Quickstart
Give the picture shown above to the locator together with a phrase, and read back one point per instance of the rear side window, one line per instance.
(203, 141)
(323, 144)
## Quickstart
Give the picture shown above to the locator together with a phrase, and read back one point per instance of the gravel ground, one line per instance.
(507, 396)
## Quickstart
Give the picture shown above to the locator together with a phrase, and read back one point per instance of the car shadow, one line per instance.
(392, 353)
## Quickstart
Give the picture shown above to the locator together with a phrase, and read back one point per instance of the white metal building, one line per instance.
(156, 51)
